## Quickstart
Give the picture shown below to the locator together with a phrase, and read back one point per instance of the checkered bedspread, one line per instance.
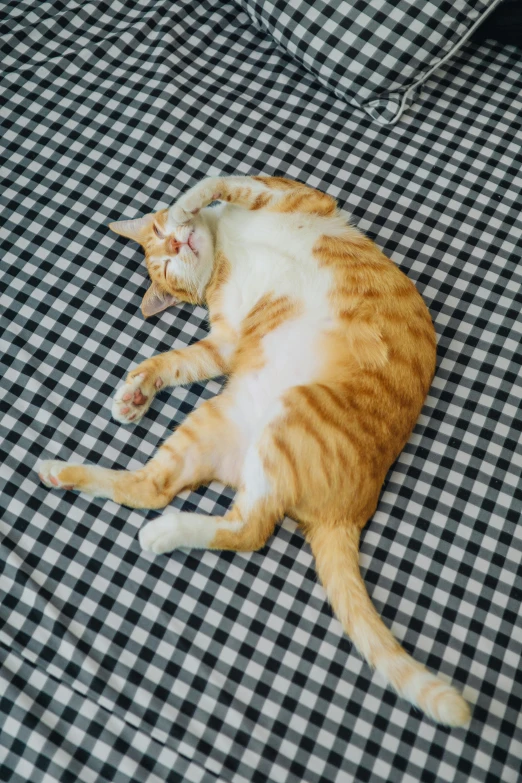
(229, 668)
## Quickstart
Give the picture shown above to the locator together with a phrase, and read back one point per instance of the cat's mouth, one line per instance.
(191, 242)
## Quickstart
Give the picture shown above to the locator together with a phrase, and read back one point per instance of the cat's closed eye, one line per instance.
(158, 233)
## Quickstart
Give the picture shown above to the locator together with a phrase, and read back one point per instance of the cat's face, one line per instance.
(179, 259)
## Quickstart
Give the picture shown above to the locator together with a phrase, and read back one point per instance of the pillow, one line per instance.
(372, 53)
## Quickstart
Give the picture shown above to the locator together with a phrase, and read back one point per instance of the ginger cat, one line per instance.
(330, 352)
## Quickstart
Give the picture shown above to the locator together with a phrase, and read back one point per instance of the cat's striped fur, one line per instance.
(330, 352)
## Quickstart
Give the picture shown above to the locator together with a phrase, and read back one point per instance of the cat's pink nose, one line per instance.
(174, 246)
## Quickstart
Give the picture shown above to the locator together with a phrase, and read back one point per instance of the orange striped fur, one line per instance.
(330, 352)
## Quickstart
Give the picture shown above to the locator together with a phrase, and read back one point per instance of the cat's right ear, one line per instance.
(156, 300)
(133, 229)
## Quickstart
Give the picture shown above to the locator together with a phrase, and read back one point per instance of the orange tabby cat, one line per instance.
(330, 352)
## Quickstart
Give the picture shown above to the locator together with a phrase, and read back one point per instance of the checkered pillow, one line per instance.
(373, 53)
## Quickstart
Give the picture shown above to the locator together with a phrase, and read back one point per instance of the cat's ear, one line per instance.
(133, 229)
(156, 300)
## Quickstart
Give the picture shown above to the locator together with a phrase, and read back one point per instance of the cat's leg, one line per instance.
(191, 456)
(274, 194)
(206, 359)
(259, 504)
(246, 527)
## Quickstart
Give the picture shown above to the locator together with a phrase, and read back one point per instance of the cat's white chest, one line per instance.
(251, 277)
(290, 356)
(268, 256)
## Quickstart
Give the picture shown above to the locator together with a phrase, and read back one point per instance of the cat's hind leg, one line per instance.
(190, 457)
(250, 522)
(238, 530)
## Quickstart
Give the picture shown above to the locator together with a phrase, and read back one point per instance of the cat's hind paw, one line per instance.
(162, 535)
(91, 479)
(175, 530)
(50, 473)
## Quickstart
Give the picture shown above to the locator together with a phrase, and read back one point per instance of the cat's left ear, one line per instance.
(133, 229)
(156, 300)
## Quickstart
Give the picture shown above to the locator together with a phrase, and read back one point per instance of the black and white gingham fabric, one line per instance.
(373, 53)
(207, 666)
(53, 732)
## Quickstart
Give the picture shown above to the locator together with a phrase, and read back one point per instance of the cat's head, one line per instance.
(179, 258)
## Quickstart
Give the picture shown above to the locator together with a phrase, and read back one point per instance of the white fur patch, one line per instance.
(173, 531)
(256, 482)
(272, 254)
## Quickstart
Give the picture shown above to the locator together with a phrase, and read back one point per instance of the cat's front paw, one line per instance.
(193, 201)
(134, 398)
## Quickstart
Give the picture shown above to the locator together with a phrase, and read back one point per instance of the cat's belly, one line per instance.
(291, 358)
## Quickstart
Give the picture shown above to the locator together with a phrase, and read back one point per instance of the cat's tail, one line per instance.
(336, 550)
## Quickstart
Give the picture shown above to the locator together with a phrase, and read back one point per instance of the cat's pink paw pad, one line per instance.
(134, 398)
(49, 474)
(139, 398)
